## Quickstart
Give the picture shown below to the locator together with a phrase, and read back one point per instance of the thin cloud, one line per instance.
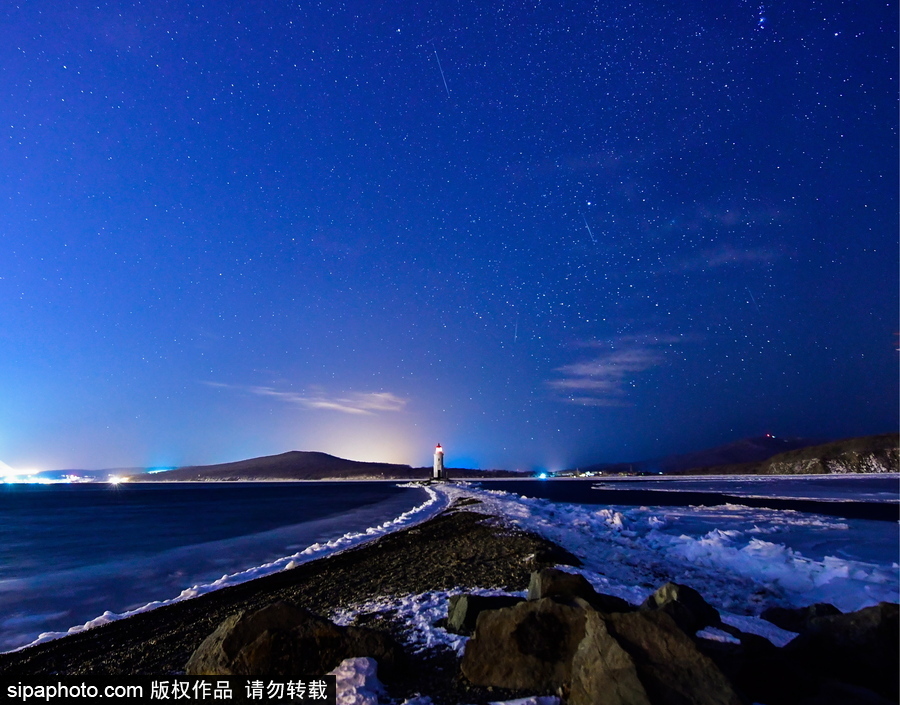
(360, 403)
(597, 401)
(602, 380)
(727, 255)
(644, 339)
(586, 383)
(612, 366)
(367, 403)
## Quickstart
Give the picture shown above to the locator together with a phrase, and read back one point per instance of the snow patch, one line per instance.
(357, 681)
(419, 615)
(717, 635)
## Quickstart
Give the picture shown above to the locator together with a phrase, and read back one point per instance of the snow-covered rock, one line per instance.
(357, 682)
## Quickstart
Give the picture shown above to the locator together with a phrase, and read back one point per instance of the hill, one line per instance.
(747, 450)
(864, 454)
(293, 465)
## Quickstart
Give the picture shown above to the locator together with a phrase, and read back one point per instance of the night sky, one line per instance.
(541, 234)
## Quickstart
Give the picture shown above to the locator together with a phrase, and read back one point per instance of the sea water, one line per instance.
(69, 553)
(873, 497)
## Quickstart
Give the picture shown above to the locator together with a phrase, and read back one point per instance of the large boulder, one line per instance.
(643, 659)
(666, 662)
(551, 582)
(284, 640)
(861, 648)
(797, 619)
(602, 671)
(685, 605)
(757, 669)
(633, 658)
(528, 646)
(463, 610)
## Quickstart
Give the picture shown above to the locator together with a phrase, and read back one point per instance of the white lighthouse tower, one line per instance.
(439, 473)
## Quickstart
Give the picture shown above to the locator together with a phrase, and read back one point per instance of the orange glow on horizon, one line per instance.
(372, 445)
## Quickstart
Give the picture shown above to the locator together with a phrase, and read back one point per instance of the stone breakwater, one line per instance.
(567, 640)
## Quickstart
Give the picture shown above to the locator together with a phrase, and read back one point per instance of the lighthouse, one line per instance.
(438, 463)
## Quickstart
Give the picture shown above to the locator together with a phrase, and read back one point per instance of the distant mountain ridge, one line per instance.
(746, 450)
(864, 454)
(763, 455)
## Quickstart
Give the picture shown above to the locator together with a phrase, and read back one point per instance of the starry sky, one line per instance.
(541, 234)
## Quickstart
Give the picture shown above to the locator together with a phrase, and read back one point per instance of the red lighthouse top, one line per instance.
(438, 449)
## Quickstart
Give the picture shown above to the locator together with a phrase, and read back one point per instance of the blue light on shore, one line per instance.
(542, 476)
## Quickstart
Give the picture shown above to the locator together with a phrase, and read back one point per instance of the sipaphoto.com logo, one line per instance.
(176, 690)
(81, 691)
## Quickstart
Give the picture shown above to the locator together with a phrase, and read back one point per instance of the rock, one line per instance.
(285, 640)
(463, 610)
(635, 658)
(757, 670)
(861, 648)
(834, 692)
(551, 582)
(665, 663)
(528, 646)
(602, 671)
(610, 603)
(685, 605)
(796, 619)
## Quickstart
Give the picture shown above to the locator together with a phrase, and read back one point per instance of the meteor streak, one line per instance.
(584, 217)
(442, 71)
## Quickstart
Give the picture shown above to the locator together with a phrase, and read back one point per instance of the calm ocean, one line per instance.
(70, 552)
